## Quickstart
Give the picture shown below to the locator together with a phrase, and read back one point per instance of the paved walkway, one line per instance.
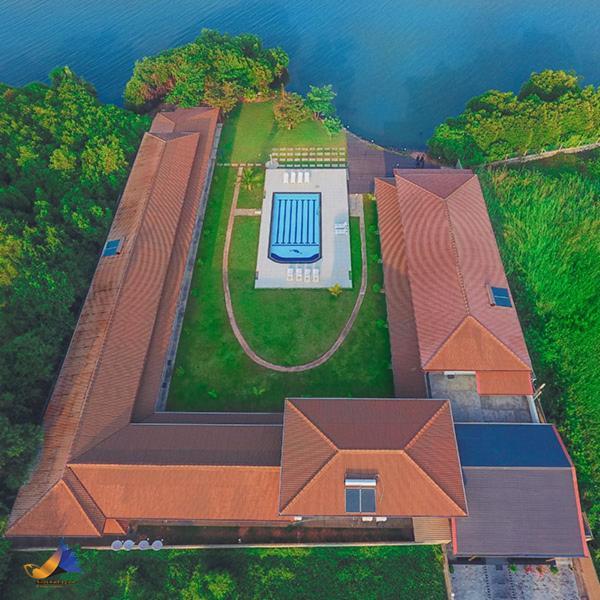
(229, 305)
(367, 161)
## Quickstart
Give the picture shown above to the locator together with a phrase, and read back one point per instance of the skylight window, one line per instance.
(499, 296)
(112, 247)
(360, 495)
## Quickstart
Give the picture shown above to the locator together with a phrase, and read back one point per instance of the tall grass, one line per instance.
(548, 226)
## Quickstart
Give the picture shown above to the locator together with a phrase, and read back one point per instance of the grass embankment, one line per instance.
(288, 327)
(251, 132)
(212, 373)
(375, 573)
(547, 220)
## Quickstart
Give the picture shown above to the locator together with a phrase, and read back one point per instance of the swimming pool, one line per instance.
(295, 227)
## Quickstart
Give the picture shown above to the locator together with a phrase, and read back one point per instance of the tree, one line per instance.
(333, 125)
(549, 85)
(290, 110)
(319, 100)
(250, 177)
(216, 69)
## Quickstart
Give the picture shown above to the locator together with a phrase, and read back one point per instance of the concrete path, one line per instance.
(229, 305)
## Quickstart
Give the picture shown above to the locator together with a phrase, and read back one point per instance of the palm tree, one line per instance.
(250, 177)
(336, 290)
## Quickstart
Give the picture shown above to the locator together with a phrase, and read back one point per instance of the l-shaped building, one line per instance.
(435, 460)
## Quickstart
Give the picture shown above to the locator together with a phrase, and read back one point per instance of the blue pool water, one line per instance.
(295, 227)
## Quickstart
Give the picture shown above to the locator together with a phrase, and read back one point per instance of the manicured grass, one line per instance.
(251, 132)
(253, 198)
(365, 573)
(288, 327)
(212, 373)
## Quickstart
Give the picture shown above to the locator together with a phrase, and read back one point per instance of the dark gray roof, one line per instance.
(520, 512)
(509, 445)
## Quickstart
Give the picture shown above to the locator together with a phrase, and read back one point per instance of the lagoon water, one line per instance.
(399, 67)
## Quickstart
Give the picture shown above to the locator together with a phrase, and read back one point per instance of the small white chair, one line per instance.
(306, 176)
(293, 177)
(298, 274)
(306, 275)
(299, 176)
(290, 274)
(286, 177)
(315, 275)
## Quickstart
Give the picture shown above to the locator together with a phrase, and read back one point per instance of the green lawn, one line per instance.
(212, 373)
(253, 198)
(288, 327)
(251, 132)
(366, 573)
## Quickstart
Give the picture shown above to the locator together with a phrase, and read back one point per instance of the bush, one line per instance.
(551, 111)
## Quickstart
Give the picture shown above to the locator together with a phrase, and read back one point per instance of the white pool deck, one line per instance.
(334, 266)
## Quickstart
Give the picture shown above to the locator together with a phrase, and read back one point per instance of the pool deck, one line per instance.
(335, 265)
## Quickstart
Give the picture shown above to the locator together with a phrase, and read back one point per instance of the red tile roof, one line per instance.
(408, 444)
(438, 218)
(117, 351)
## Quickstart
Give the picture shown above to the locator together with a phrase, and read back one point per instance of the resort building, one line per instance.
(457, 457)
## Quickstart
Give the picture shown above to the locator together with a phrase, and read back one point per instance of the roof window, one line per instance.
(112, 247)
(499, 296)
(360, 495)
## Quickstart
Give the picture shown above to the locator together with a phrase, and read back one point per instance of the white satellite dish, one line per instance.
(128, 545)
(116, 545)
(157, 545)
(144, 545)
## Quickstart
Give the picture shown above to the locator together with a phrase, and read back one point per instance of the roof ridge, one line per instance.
(427, 425)
(68, 487)
(310, 422)
(446, 340)
(432, 480)
(105, 465)
(310, 482)
(429, 191)
(461, 281)
(122, 278)
(500, 342)
(333, 447)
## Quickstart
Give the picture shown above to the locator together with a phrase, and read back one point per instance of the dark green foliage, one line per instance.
(551, 111)
(290, 110)
(320, 100)
(548, 228)
(216, 69)
(367, 573)
(333, 125)
(64, 159)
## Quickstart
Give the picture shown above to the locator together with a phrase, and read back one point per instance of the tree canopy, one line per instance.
(290, 110)
(216, 69)
(65, 157)
(551, 111)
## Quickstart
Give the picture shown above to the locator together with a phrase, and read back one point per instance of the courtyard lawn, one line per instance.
(288, 327)
(212, 373)
(250, 133)
(253, 197)
(365, 573)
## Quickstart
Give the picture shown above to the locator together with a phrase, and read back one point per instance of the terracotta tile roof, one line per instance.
(408, 444)
(509, 383)
(183, 493)
(100, 378)
(188, 444)
(409, 379)
(439, 219)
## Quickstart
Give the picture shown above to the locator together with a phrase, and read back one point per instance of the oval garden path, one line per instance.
(358, 211)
